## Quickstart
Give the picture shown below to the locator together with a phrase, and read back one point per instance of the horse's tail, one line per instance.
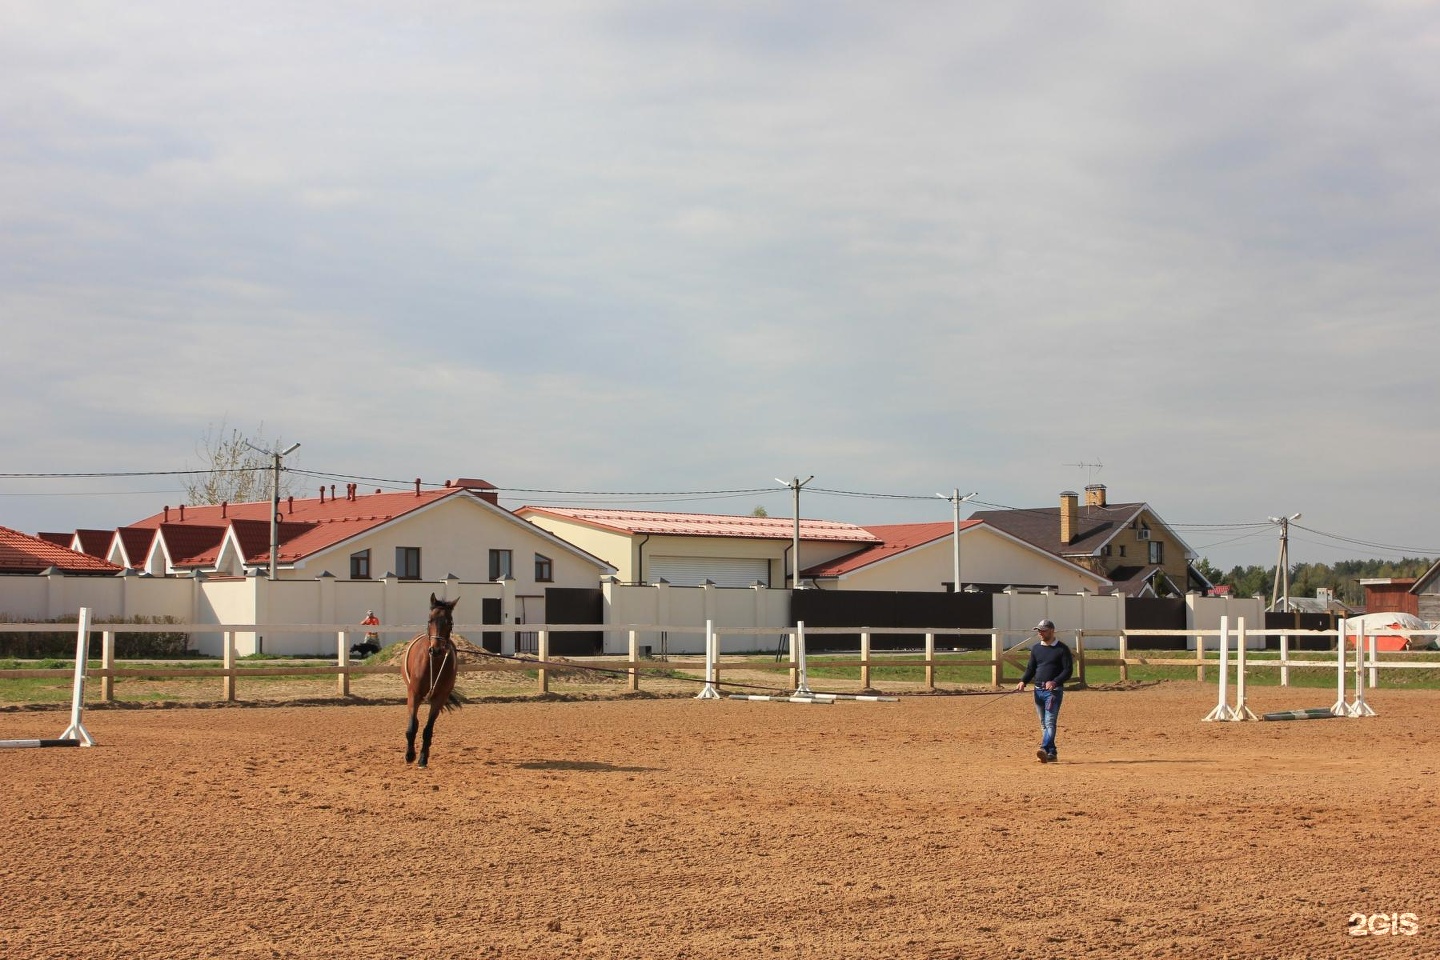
(453, 702)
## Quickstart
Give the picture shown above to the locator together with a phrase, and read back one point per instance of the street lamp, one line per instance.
(278, 455)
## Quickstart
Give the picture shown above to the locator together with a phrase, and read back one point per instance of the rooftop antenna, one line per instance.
(1090, 468)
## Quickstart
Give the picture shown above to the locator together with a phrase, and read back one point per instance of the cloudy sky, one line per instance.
(619, 247)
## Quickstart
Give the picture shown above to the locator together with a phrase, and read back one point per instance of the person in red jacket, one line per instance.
(372, 639)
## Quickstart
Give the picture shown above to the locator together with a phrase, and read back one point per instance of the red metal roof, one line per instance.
(22, 553)
(195, 534)
(705, 524)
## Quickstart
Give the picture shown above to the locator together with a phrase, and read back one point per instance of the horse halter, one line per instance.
(438, 629)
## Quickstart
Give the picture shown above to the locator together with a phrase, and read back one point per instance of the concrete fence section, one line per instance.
(751, 619)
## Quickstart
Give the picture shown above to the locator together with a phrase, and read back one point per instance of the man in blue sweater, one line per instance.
(1051, 664)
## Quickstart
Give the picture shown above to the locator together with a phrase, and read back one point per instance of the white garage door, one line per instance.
(692, 571)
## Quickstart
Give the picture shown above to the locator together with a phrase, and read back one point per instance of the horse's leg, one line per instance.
(413, 705)
(435, 707)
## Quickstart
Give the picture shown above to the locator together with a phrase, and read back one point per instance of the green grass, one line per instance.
(954, 669)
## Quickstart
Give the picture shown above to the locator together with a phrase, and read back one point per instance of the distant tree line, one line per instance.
(1307, 578)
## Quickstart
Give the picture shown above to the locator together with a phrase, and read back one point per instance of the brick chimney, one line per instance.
(484, 489)
(1069, 516)
(1095, 495)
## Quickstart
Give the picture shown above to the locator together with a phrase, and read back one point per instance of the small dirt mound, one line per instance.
(470, 656)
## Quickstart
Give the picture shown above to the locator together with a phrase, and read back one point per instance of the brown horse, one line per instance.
(429, 670)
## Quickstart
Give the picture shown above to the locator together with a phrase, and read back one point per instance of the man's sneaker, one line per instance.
(1051, 758)
(1043, 757)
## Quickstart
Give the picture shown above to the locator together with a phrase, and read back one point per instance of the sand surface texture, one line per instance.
(670, 828)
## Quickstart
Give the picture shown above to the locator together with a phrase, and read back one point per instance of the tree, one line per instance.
(760, 512)
(237, 473)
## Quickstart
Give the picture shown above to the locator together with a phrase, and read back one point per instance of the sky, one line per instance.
(642, 253)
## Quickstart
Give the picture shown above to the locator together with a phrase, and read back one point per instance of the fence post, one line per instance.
(1200, 655)
(1080, 654)
(107, 664)
(864, 658)
(1124, 657)
(930, 660)
(229, 664)
(997, 652)
(342, 658)
(542, 650)
(633, 684)
(1284, 659)
(794, 659)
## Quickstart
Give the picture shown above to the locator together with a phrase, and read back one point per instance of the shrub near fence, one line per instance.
(162, 644)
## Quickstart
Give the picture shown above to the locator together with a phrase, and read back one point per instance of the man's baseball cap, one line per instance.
(1045, 625)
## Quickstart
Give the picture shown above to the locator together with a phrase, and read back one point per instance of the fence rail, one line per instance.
(633, 667)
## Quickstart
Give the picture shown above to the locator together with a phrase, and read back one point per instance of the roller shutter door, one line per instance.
(691, 571)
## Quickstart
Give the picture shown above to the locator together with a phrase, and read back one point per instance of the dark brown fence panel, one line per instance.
(891, 608)
(575, 605)
(1156, 613)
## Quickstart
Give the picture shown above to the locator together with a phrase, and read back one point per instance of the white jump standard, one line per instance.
(75, 735)
(1223, 711)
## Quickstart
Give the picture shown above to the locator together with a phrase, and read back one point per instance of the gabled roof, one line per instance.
(191, 545)
(1137, 580)
(200, 537)
(1426, 580)
(898, 538)
(134, 544)
(22, 553)
(94, 542)
(892, 540)
(1096, 526)
(194, 536)
(651, 522)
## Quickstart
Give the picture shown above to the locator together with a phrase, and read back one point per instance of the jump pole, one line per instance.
(780, 698)
(75, 735)
(802, 692)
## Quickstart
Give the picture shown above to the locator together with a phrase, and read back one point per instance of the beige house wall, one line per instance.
(455, 536)
(986, 556)
(1137, 551)
(630, 554)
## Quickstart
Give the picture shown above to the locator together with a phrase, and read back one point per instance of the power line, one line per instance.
(116, 474)
(667, 496)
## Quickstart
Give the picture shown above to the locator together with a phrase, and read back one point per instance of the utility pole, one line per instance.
(1282, 566)
(956, 500)
(278, 455)
(795, 484)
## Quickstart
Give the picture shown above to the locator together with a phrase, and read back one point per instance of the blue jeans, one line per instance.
(1047, 709)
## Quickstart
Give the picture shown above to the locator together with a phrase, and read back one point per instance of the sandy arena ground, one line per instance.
(675, 828)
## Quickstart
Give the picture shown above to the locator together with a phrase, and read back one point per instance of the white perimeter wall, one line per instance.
(756, 618)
